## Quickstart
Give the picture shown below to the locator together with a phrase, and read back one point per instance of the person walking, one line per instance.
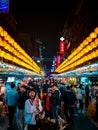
(68, 103)
(54, 103)
(20, 107)
(11, 98)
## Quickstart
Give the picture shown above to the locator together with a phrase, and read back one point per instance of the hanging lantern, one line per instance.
(93, 45)
(96, 41)
(7, 38)
(96, 30)
(85, 42)
(5, 34)
(96, 52)
(93, 35)
(1, 29)
(89, 39)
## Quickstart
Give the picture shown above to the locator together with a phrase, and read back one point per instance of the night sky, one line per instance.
(42, 19)
(45, 19)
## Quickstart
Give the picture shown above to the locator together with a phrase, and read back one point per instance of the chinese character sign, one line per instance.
(62, 51)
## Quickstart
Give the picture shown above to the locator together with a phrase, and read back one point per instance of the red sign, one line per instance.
(58, 60)
(62, 47)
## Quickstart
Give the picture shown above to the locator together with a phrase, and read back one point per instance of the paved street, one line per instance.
(81, 122)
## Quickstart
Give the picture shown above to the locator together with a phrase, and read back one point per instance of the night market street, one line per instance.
(81, 122)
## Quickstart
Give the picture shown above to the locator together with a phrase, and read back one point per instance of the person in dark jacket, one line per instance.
(68, 102)
(20, 108)
(54, 102)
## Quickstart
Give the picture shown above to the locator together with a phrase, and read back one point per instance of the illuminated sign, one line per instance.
(58, 60)
(93, 68)
(4, 6)
(62, 47)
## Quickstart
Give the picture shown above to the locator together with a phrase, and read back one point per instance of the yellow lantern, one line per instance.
(93, 44)
(85, 42)
(2, 54)
(96, 41)
(93, 35)
(89, 39)
(4, 44)
(7, 37)
(1, 29)
(93, 54)
(96, 30)
(5, 33)
(96, 52)
(2, 33)
(89, 56)
(89, 47)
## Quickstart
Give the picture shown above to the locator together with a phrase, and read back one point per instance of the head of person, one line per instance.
(12, 85)
(62, 84)
(32, 94)
(54, 86)
(68, 88)
(80, 86)
(23, 88)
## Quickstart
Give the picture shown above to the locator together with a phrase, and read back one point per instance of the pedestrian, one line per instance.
(11, 98)
(54, 102)
(32, 108)
(20, 107)
(68, 103)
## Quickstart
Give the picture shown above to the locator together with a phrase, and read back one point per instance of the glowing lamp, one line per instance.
(85, 42)
(1, 29)
(93, 35)
(62, 48)
(96, 30)
(5, 33)
(89, 39)
(93, 44)
(96, 52)
(96, 41)
(7, 38)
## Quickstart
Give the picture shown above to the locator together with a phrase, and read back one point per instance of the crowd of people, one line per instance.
(51, 97)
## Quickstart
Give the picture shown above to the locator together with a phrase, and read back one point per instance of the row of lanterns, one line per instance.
(11, 51)
(82, 53)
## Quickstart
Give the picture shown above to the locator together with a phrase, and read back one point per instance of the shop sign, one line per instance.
(62, 48)
(93, 68)
(4, 6)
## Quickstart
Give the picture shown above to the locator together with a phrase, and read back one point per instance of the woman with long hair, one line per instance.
(32, 108)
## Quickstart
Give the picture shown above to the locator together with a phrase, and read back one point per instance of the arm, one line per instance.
(29, 108)
(40, 106)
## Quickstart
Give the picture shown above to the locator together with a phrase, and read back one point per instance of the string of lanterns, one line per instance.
(10, 50)
(86, 51)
